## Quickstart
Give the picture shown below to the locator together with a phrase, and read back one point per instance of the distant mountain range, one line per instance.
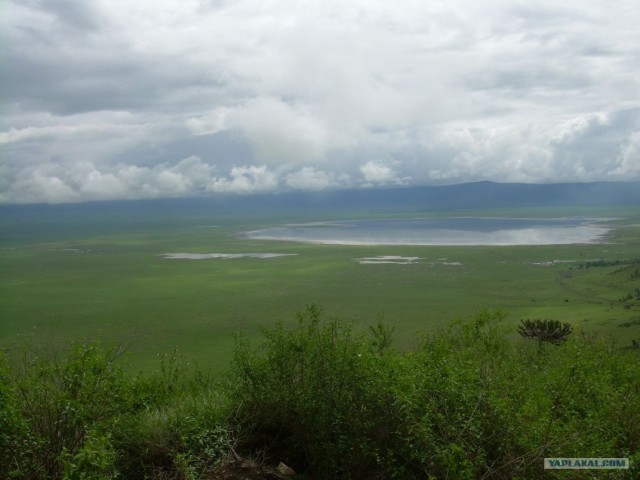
(477, 195)
(465, 196)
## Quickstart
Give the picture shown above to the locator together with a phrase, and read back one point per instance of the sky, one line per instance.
(128, 99)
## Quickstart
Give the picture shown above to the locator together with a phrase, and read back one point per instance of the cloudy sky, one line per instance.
(112, 99)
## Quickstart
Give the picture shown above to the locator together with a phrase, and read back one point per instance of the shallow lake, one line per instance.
(222, 256)
(441, 231)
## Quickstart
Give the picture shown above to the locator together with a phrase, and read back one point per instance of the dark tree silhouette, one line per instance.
(551, 331)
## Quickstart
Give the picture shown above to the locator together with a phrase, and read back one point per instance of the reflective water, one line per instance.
(223, 256)
(441, 231)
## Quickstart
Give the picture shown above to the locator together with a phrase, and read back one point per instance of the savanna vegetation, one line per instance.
(348, 397)
(329, 400)
(70, 275)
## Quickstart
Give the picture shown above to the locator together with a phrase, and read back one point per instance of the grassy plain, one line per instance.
(80, 276)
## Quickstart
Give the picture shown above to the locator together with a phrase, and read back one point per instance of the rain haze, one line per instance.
(107, 100)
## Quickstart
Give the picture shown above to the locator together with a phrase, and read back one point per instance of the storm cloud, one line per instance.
(168, 98)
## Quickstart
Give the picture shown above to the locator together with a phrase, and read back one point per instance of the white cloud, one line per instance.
(628, 162)
(37, 184)
(247, 179)
(211, 122)
(377, 173)
(281, 132)
(191, 176)
(308, 178)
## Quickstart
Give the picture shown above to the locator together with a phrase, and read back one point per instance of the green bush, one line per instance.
(500, 408)
(16, 442)
(184, 438)
(551, 331)
(465, 404)
(76, 414)
(67, 402)
(331, 402)
(94, 460)
(316, 396)
(453, 430)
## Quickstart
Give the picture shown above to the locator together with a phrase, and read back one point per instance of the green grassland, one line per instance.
(103, 277)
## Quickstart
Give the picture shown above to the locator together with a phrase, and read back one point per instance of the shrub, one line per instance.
(67, 402)
(183, 438)
(15, 440)
(316, 397)
(331, 403)
(76, 414)
(454, 430)
(95, 459)
(466, 404)
(551, 331)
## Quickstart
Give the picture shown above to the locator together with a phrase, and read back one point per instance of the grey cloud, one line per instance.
(218, 148)
(105, 100)
(599, 145)
(55, 70)
(536, 77)
(88, 79)
(76, 14)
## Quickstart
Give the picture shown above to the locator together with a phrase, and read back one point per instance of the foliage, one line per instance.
(67, 402)
(183, 438)
(466, 404)
(330, 401)
(551, 331)
(77, 414)
(317, 397)
(16, 442)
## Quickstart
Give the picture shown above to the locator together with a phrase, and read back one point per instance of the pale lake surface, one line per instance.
(221, 256)
(441, 231)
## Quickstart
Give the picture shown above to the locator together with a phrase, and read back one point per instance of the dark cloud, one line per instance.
(90, 79)
(217, 148)
(72, 14)
(538, 77)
